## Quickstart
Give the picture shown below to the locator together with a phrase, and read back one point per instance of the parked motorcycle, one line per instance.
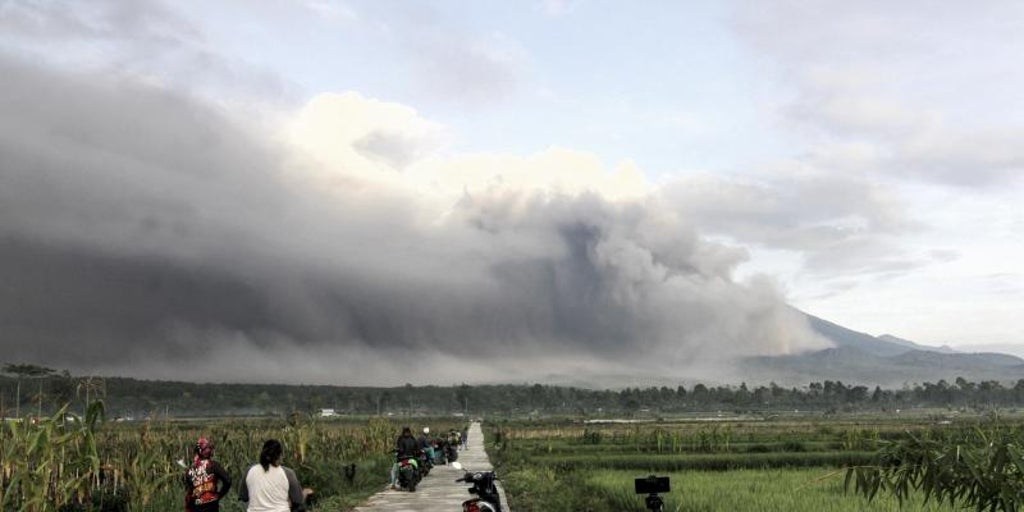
(426, 464)
(451, 452)
(440, 451)
(408, 472)
(483, 487)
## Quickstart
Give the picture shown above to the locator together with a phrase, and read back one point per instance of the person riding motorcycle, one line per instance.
(425, 445)
(405, 446)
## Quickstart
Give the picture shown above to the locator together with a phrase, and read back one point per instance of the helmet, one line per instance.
(204, 448)
(426, 430)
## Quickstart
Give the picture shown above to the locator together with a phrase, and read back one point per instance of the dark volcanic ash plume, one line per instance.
(148, 233)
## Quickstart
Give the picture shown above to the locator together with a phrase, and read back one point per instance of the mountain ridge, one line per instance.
(879, 360)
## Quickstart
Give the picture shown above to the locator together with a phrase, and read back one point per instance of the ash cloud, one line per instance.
(149, 233)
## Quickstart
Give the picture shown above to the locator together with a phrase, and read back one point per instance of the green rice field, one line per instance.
(768, 490)
(786, 466)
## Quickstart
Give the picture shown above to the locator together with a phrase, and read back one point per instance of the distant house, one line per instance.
(327, 413)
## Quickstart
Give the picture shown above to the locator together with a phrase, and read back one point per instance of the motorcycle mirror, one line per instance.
(457, 465)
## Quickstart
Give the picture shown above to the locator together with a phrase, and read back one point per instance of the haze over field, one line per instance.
(368, 192)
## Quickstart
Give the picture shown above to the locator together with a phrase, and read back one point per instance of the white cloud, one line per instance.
(557, 8)
(372, 141)
(333, 10)
(922, 93)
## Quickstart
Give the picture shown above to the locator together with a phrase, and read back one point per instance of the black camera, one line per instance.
(651, 485)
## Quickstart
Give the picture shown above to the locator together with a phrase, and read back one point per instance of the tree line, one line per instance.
(29, 389)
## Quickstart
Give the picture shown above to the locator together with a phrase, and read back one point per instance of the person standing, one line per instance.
(271, 487)
(206, 481)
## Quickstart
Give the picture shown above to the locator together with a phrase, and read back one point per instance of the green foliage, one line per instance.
(706, 462)
(783, 465)
(981, 469)
(794, 446)
(540, 488)
(70, 464)
(47, 464)
(143, 398)
(27, 370)
(591, 437)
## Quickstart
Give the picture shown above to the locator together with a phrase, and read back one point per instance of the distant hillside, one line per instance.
(848, 338)
(855, 365)
(883, 360)
(910, 344)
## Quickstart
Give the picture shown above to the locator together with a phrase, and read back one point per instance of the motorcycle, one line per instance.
(483, 487)
(408, 472)
(425, 463)
(451, 452)
(440, 455)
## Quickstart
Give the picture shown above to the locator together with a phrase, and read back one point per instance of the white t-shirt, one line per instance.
(268, 490)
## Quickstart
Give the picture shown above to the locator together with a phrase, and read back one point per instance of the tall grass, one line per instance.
(68, 465)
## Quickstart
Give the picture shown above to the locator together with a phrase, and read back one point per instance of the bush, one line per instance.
(758, 448)
(793, 446)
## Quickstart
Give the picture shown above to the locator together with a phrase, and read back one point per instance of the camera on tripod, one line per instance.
(652, 486)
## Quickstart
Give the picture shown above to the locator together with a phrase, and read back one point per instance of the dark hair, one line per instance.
(271, 453)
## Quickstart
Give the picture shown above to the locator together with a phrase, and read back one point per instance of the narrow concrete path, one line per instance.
(438, 492)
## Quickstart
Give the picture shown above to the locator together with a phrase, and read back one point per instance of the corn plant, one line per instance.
(983, 470)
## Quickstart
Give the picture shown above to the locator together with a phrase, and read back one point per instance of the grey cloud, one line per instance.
(944, 255)
(976, 158)
(876, 258)
(809, 212)
(139, 226)
(133, 38)
(394, 149)
(43, 21)
(845, 228)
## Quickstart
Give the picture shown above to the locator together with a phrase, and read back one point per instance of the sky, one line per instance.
(362, 192)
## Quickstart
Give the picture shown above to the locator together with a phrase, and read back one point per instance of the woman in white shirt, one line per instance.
(269, 486)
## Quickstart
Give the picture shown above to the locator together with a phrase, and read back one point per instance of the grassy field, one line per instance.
(787, 465)
(782, 490)
(768, 490)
